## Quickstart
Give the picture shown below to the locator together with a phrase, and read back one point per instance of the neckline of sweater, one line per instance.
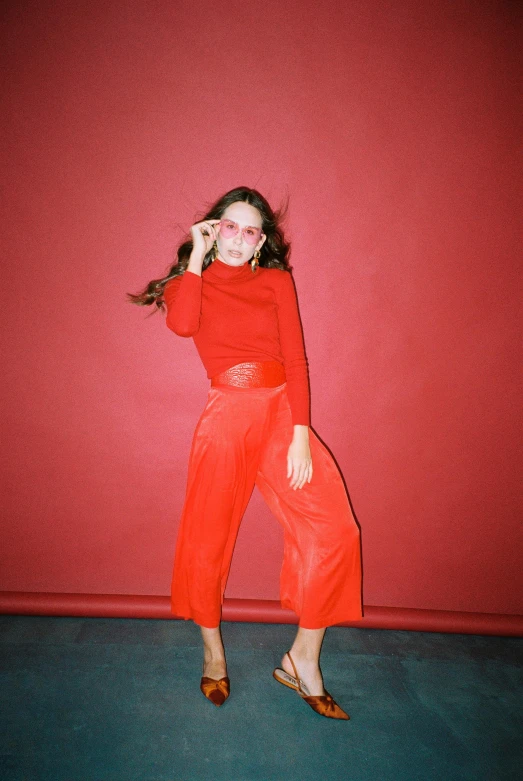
(218, 269)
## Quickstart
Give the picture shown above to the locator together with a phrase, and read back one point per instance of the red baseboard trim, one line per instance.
(256, 610)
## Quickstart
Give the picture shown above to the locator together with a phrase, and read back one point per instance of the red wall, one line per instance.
(393, 127)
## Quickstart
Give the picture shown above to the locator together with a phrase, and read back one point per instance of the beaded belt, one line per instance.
(254, 374)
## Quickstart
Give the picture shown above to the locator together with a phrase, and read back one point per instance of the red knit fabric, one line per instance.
(235, 315)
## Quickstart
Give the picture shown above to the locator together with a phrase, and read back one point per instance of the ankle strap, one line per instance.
(295, 672)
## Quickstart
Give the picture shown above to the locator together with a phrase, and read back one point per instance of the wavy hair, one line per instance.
(274, 252)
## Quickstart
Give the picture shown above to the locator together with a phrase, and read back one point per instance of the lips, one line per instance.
(235, 254)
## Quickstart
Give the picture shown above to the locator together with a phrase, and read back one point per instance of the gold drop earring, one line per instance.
(215, 248)
(255, 261)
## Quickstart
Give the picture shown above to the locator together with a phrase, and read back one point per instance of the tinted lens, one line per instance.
(251, 235)
(228, 229)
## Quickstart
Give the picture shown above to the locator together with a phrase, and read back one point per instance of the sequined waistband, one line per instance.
(254, 374)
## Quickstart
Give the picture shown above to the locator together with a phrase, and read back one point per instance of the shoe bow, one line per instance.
(326, 706)
(216, 691)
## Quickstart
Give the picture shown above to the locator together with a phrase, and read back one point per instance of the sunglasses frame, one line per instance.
(252, 243)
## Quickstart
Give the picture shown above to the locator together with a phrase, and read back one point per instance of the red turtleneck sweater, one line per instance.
(235, 315)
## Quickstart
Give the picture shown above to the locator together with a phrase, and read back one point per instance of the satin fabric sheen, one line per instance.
(242, 439)
(256, 374)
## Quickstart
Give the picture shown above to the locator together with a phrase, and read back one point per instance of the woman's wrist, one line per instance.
(195, 262)
(300, 432)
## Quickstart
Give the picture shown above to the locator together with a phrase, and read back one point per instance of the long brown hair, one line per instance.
(274, 252)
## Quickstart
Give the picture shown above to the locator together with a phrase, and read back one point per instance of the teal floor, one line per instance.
(88, 699)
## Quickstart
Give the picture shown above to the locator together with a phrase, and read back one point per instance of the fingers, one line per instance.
(206, 227)
(206, 222)
(209, 224)
(301, 472)
(204, 235)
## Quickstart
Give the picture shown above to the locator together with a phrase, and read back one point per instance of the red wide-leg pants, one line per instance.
(242, 439)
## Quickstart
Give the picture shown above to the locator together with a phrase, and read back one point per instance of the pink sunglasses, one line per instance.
(229, 228)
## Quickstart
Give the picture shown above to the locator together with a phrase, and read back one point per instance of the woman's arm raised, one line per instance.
(183, 294)
(183, 299)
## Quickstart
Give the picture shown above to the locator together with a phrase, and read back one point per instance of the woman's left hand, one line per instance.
(299, 463)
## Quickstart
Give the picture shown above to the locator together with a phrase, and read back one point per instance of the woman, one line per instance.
(232, 291)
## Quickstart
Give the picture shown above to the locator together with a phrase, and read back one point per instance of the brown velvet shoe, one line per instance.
(215, 690)
(322, 704)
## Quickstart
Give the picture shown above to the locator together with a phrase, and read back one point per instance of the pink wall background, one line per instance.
(393, 127)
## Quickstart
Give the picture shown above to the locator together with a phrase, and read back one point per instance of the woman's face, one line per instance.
(238, 249)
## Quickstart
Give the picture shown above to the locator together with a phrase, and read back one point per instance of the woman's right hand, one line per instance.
(203, 236)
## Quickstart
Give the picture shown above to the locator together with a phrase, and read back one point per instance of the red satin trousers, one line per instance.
(241, 440)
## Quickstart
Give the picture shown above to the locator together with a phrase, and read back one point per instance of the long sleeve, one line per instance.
(183, 299)
(293, 351)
